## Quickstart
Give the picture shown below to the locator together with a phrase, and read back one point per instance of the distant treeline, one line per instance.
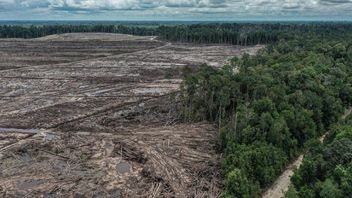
(40, 31)
(225, 33)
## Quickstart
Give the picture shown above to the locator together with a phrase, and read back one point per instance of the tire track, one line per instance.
(109, 108)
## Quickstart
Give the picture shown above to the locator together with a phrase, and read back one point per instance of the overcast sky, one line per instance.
(176, 10)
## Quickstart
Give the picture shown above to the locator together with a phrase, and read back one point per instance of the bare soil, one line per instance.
(95, 115)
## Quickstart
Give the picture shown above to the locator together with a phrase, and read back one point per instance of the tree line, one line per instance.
(220, 33)
(270, 106)
(8, 31)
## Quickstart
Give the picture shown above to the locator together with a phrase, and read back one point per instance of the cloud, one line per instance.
(132, 4)
(336, 1)
(179, 8)
(70, 5)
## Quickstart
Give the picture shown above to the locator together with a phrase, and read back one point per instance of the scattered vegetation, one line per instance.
(269, 106)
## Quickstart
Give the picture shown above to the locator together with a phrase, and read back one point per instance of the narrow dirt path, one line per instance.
(279, 188)
(347, 113)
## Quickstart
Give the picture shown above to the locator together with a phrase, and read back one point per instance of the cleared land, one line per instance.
(95, 115)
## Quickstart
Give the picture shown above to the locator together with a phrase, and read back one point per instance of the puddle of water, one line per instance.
(13, 130)
(123, 167)
(116, 193)
(27, 185)
(25, 157)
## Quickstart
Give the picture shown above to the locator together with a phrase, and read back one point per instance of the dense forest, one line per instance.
(225, 33)
(272, 106)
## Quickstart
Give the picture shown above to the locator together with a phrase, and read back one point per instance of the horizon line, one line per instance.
(184, 20)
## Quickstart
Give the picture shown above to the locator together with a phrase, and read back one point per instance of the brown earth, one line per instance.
(95, 115)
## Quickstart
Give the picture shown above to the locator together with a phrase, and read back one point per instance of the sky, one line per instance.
(195, 10)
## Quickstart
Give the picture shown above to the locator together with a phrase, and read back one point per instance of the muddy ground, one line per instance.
(95, 115)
